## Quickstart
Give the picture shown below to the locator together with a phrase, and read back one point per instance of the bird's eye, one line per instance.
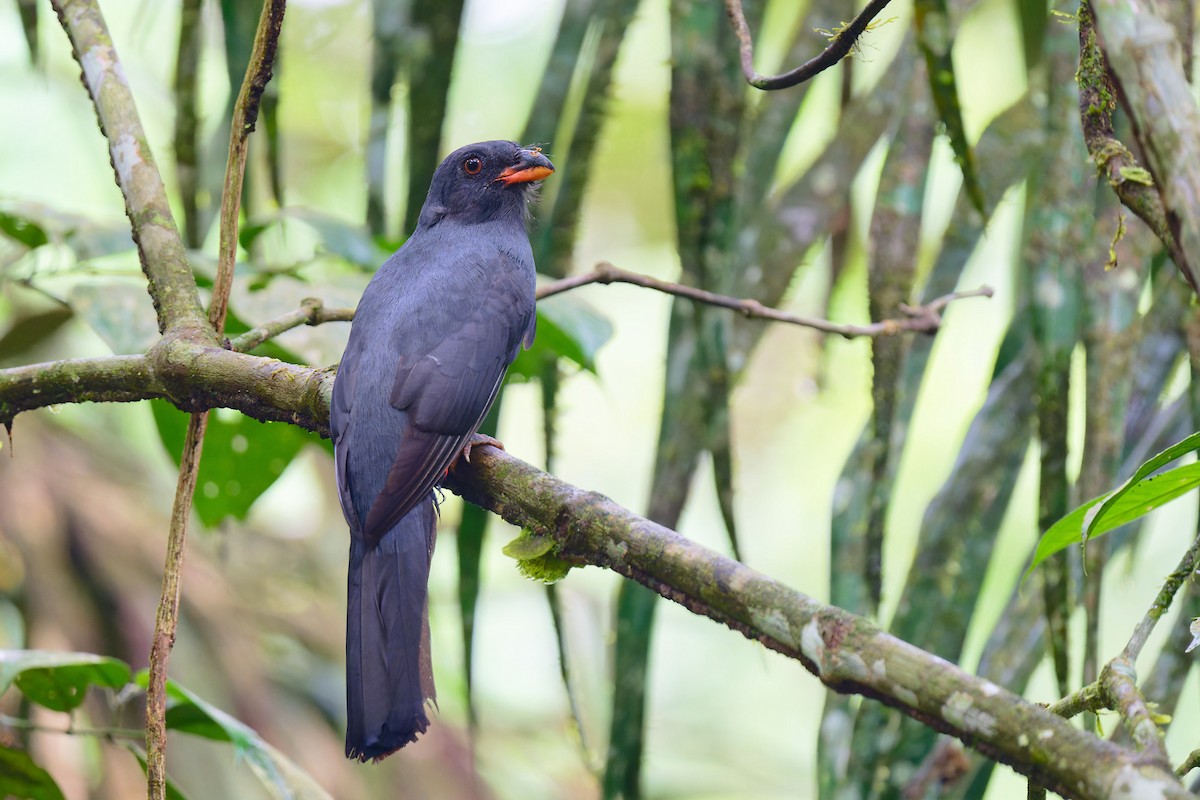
(472, 165)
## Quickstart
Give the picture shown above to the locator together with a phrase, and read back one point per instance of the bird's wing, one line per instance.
(339, 424)
(446, 392)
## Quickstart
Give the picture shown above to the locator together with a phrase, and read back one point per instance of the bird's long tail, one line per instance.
(389, 677)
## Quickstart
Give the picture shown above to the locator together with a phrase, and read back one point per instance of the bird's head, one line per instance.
(482, 181)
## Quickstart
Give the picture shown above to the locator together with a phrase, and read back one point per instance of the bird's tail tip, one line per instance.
(377, 747)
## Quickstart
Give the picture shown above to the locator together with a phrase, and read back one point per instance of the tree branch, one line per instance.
(1089, 698)
(1128, 179)
(193, 377)
(112, 379)
(923, 319)
(167, 619)
(1145, 57)
(846, 652)
(839, 46)
(833, 644)
(245, 115)
(196, 377)
(1162, 601)
(312, 311)
(103, 733)
(163, 258)
(1119, 679)
(1189, 763)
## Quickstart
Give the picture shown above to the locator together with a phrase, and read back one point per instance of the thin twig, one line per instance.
(167, 619)
(1120, 683)
(105, 733)
(839, 46)
(922, 319)
(1089, 698)
(1162, 602)
(570, 682)
(311, 312)
(1189, 763)
(245, 115)
(213, 375)
(187, 120)
(918, 319)
(1117, 689)
(1144, 60)
(945, 765)
(1130, 181)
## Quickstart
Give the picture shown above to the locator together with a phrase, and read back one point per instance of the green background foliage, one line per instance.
(905, 478)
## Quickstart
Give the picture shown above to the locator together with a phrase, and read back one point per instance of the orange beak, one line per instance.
(533, 166)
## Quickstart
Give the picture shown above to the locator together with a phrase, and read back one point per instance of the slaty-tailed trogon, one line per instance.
(434, 332)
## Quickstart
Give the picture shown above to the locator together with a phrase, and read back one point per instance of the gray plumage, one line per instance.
(432, 337)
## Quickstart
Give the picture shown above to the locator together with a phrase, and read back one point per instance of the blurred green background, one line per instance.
(85, 491)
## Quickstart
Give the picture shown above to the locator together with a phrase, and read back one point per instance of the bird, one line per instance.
(432, 337)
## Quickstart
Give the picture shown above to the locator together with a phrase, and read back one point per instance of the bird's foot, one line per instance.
(476, 440)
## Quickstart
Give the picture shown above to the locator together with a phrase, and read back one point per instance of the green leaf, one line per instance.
(30, 330)
(120, 313)
(1173, 452)
(251, 231)
(29, 23)
(1033, 18)
(1124, 505)
(1137, 175)
(21, 779)
(567, 328)
(242, 458)
(528, 545)
(93, 239)
(536, 557)
(23, 230)
(350, 242)
(57, 680)
(936, 43)
(34, 225)
(190, 714)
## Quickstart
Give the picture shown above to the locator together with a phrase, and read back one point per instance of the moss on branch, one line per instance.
(848, 653)
(160, 248)
(1145, 62)
(103, 380)
(1132, 183)
(194, 377)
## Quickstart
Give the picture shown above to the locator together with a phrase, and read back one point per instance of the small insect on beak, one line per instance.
(532, 166)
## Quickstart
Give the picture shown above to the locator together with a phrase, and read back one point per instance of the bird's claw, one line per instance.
(476, 440)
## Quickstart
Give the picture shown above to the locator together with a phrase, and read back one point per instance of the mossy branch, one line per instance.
(590, 529)
(1132, 183)
(848, 653)
(193, 377)
(160, 248)
(842, 42)
(1145, 59)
